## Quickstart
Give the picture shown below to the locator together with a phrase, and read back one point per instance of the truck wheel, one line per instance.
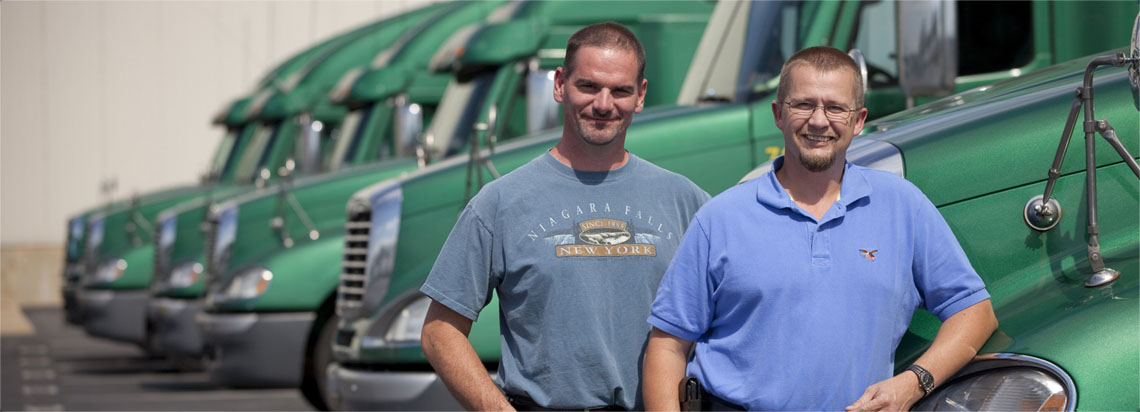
(314, 385)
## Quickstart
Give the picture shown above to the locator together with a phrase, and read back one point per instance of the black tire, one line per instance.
(318, 356)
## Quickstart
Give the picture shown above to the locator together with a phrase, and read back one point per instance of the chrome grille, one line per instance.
(161, 259)
(211, 260)
(353, 275)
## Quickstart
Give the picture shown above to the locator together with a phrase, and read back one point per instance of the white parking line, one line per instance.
(35, 361)
(38, 349)
(34, 390)
(229, 395)
(38, 374)
(46, 407)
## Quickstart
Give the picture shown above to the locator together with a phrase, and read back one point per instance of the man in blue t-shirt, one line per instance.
(574, 243)
(798, 285)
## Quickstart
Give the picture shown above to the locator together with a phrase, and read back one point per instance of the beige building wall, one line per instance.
(98, 91)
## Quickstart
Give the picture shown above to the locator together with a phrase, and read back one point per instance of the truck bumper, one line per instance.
(255, 349)
(114, 314)
(172, 328)
(365, 390)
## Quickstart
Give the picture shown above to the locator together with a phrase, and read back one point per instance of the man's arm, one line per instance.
(665, 359)
(958, 341)
(444, 341)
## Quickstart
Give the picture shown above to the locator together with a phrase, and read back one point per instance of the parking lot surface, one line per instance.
(61, 368)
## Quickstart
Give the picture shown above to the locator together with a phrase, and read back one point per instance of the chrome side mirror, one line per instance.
(541, 109)
(408, 124)
(928, 47)
(308, 151)
(860, 61)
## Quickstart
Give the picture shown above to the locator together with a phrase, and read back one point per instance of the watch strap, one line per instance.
(925, 379)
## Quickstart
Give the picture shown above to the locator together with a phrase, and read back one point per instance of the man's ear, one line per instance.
(778, 114)
(641, 96)
(559, 84)
(860, 117)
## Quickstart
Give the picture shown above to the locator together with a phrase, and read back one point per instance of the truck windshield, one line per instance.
(776, 30)
(458, 108)
(348, 135)
(251, 158)
(222, 156)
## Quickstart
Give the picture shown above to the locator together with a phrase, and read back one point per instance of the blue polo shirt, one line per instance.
(793, 313)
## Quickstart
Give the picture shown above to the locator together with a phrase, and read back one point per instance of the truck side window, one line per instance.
(513, 116)
(994, 35)
(876, 38)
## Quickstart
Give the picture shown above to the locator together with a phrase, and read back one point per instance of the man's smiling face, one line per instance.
(601, 95)
(817, 140)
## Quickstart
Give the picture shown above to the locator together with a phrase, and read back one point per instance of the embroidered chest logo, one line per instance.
(869, 254)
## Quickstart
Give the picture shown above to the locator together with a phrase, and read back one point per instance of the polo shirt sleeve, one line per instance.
(684, 305)
(946, 281)
(461, 278)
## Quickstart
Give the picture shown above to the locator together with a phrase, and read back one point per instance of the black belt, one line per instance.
(525, 403)
(715, 403)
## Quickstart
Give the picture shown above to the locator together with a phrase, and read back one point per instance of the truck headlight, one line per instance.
(409, 322)
(1004, 382)
(247, 284)
(403, 326)
(109, 271)
(185, 275)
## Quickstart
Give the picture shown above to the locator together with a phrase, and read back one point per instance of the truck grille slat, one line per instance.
(211, 260)
(353, 280)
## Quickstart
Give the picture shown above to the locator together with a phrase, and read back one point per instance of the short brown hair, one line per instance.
(609, 35)
(824, 59)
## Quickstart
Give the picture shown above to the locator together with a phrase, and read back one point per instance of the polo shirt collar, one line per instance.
(769, 192)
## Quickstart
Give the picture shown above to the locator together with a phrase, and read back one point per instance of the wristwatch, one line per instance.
(925, 379)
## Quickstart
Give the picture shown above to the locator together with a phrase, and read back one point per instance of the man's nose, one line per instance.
(818, 119)
(603, 102)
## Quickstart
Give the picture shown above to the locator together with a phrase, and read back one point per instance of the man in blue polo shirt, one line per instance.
(798, 285)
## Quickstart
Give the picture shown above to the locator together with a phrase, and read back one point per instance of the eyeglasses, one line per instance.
(833, 112)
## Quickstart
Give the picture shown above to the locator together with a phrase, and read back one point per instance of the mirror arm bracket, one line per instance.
(1042, 212)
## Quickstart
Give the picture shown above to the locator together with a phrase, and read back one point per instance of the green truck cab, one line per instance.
(401, 224)
(1064, 280)
(119, 243)
(269, 311)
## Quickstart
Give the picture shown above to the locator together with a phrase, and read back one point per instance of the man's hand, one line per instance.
(895, 394)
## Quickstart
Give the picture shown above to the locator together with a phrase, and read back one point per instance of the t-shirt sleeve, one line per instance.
(943, 275)
(684, 305)
(461, 278)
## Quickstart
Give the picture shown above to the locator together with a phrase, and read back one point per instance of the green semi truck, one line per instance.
(397, 227)
(119, 243)
(268, 317)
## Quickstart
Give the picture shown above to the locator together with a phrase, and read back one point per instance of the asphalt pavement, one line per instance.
(59, 368)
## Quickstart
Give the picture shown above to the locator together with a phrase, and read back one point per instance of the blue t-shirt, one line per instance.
(791, 313)
(576, 258)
